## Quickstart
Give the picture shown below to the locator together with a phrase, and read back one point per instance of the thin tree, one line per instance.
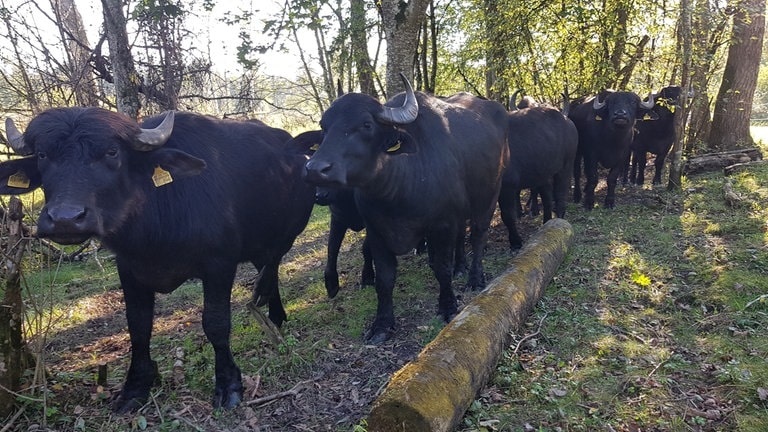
(126, 79)
(401, 21)
(733, 106)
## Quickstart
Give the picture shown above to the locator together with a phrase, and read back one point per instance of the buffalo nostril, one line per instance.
(67, 214)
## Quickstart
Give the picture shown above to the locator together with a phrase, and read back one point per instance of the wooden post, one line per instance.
(12, 348)
(433, 392)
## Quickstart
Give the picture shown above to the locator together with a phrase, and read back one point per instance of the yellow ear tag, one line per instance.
(161, 177)
(672, 109)
(598, 118)
(315, 147)
(394, 148)
(18, 180)
(647, 117)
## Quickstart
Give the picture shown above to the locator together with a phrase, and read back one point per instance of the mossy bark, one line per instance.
(433, 392)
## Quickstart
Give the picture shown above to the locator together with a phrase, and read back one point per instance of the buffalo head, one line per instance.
(94, 166)
(620, 108)
(359, 135)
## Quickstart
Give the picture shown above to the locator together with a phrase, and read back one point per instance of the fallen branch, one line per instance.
(532, 335)
(432, 392)
(730, 169)
(298, 388)
(759, 299)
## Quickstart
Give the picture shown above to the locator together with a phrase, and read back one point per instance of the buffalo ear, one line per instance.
(403, 143)
(19, 176)
(176, 162)
(306, 142)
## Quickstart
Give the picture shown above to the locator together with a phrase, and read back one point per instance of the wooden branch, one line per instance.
(298, 388)
(716, 161)
(433, 392)
(730, 169)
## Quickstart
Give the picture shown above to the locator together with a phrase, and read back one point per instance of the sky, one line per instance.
(223, 38)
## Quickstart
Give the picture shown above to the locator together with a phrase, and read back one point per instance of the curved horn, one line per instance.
(150, 139)
(513, 100)
(16, 139)
(596, 104)
(404, 114)
(648, 104)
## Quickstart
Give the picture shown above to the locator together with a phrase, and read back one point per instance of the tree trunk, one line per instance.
(685, 44)
(496, 86)
(401, 21)
(733, 107)
(433, 392)
(78, 54)
(359, 42)
(127, 80)
(12, 348)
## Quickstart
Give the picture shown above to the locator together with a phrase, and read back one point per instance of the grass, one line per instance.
(647, 325)
(653, 323)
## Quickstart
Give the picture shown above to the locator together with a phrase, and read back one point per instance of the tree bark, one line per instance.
(433, 392)
(127, 80)
(359, 41)
(78, 54)
(733, 107)
(401, 21)
(12, 347)
(685, 44)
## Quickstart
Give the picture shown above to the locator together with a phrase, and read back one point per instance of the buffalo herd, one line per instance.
(184, 195)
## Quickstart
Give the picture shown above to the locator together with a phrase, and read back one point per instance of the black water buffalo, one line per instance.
(344, 216)
(655, 136)
(606, 124)
(542, 148)
(183, 196)
(420, 167)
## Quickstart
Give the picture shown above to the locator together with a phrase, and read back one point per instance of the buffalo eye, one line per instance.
(367, 125)
(42, 155)
(112, 152)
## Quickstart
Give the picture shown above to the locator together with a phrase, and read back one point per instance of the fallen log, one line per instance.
(717, 161)
(432, 392)
(731, 169)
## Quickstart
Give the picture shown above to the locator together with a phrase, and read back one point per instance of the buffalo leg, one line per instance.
(577, 179)
(590, 171)
(560, 189)
(478, 238)
(142, 373)
(508, 200)
(610, 196)
(459, 257)
(331, 274)
(385, 262)
(440, 246)
(217, 325)
(659, 167)
(546, 201)
(368, 277)
(642, 161)
(267, 291)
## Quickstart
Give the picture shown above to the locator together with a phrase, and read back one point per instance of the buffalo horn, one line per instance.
(513, 100)
(150, 139)
(596, 104)
(648, 104)
(404, 114)
(16, 139)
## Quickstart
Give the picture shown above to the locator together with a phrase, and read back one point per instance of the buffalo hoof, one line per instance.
(228, 398)
(377, 336)
(260, 300)
(331, 286)
(476, 281)
(447, 314)
(127, 406)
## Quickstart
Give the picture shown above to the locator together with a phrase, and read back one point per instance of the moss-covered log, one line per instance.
(433, 392)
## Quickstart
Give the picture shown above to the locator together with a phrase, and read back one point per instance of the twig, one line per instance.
(13, 419)
(536, 333)
(759, 299)
(661, 363)
(292, 392)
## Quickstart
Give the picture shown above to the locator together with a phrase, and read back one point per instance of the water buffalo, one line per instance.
(181, 196)
(655, 136)
(420, 167)
(606, 125)
(542, 148)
